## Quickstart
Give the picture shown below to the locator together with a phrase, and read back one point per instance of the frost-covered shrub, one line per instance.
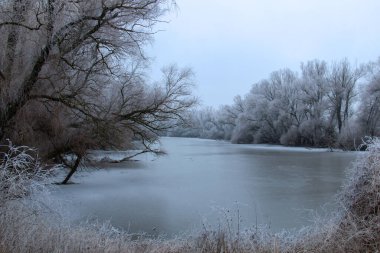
(242, 133)
(291, 137)
(20, 172)
(349, 137)
(355, 225)
(313, 132)
(360, 200)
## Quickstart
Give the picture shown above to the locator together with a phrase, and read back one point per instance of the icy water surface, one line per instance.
(205, 183)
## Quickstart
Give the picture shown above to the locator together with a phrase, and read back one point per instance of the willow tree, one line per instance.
(72, 76)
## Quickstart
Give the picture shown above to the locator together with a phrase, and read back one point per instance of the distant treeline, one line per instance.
(324, 105)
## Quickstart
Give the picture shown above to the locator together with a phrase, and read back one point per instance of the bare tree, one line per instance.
(66, 34)
(73, 76)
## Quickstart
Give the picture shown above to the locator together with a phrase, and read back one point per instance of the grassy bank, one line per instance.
(29, 225)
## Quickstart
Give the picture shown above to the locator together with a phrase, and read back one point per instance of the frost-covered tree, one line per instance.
(316, 108)
(313, 95)
(274, 109)
(72, 76)
(343, 78)
(237, 116)
(369, 107)
(205, 123)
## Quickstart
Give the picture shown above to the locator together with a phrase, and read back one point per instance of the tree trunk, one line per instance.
(12, 108)
(18, 16)
(73, 169)
(339, 115)
(11, 52)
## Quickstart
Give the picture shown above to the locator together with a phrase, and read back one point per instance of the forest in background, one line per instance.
(332, 105)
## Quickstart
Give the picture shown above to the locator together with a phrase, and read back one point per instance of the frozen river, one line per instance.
(204, 183)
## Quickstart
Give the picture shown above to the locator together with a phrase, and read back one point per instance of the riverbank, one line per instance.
(28, 225)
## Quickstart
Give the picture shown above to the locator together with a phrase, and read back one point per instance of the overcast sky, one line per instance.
(230, 45)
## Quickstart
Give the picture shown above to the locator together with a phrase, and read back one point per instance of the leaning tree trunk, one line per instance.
(73, 169)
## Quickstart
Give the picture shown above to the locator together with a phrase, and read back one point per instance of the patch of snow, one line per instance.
(270, 147)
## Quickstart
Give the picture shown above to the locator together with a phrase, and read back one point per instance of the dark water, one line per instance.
(205, 182)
